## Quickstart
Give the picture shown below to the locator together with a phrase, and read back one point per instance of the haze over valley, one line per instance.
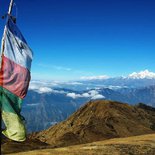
(49, 102)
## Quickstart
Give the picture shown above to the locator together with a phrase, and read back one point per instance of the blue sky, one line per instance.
(71, 39)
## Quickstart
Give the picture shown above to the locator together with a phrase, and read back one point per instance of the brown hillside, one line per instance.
(136, 145)
(100, 120)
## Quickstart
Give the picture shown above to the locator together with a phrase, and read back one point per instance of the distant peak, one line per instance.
(146, 74)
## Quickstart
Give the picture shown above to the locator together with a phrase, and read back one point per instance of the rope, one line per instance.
(16, 10)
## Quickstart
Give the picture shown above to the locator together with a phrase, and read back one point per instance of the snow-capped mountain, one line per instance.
(142, 75)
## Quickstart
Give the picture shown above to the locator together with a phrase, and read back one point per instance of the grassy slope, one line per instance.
(136, 145)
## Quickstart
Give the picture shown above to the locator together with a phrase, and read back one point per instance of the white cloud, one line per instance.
(72, 83)
(86, 95)
(142, 75)
(36, 84)
(100, 77)
(115, 87)
(42, 90)
(98, 96)
(93, 94)
(45, 90)
(73, 95)
(44, 87)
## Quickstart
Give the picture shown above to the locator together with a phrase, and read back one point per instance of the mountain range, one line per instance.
(45, 108)
(49, 102)
(134, 80)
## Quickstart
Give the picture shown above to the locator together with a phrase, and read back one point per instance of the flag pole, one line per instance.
(2, 52)
(10, 7)
(4, 34)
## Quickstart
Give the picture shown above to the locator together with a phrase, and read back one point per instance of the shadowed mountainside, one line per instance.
(100, 120)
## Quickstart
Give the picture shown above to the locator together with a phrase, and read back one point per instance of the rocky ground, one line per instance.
(137, 145)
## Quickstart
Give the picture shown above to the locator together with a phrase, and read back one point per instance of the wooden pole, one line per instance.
(4, 34)
(10, 7)
(2, 52)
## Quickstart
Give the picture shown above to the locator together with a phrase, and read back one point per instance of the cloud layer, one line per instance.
(46, 87)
